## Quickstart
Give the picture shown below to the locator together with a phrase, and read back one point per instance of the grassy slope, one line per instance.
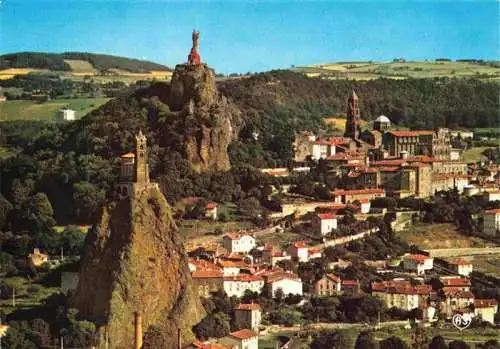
(30, 110)
(366, 71)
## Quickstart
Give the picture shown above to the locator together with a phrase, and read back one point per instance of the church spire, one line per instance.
(352, 128)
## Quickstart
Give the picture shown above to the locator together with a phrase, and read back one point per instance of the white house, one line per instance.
(211, 211)
(287, 282)
(491, 222)
(248, 316)
(492, 195)
(461, 266)
(238, 242)
(322, 149)
(237, 285)
(66, 114)
(486, 309)
(299, 251)
(324, 223)
(418, 263)
(229, 268)
(364, 205)
(242, 339)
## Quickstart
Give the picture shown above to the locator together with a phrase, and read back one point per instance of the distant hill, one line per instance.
(77, 62)
(401, 69)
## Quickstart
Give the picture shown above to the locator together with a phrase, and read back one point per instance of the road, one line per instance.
(457, 252)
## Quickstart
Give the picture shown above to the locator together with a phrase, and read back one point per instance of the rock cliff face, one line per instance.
(134, 261)
(210, 123)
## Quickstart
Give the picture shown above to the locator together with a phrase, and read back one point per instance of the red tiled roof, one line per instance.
(327, 216)
(231, 264)
(420, 258)
(281, 275)
(485, 303)
(333, 277)
(345, 156)
(389, 169)
(492, 212)
(358, 191)
(411, 133)
(454, 282)
(350, 282)
(244, 334)
(300, 244)
(363, 201)
(252, 306)
(211, 205)
(200, 345)
(244, 278)
(128, 155)
(236, 236)
(202, 274)
(314, 250)
(460, 261)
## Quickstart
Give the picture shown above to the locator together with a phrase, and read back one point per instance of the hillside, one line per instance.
(76, 62)
(277, 103)
(403, 70)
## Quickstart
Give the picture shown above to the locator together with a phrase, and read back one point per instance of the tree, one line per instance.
(154, 338)
(286, 316)
(213, 325)
(393, 343)
(250, 206)
(87, 198)
(366, 340)
(329, 340)
(458, 344)
(18, 336)
(279, 295)
(5, 208)
(41, 332)
(71, 240)
(438, 342)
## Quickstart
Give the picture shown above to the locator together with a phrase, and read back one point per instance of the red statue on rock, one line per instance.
(194, 56)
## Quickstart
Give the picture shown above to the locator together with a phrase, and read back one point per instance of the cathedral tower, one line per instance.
(141, 158)
(352, 128)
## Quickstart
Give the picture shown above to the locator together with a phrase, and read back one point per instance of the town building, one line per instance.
(299, 251)
(211, 211)
(492, 195)
(456, 283)
(412, 142)
(382, 123)
(456, 300)
(271, 255)
(38, 258)
(350, 287)
(237, 285)
(418, 263)
(349, 196)
(461, 266)
(324, 223)
(486, 309)
(248, 316)
(287, 282)
(209, 345)
(491, 222)
(328, 285)
(207, 281)
(230, 268)
(401, 294)
(242, 339)
(238, 242)
(66, 114)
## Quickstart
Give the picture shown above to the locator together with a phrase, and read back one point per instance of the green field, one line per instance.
(473, 154)
(32, 110)
(400, 70)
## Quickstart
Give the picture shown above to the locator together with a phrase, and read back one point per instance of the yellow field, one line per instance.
(337, 122)
(400, 70)
(11, 72)
(80, 66)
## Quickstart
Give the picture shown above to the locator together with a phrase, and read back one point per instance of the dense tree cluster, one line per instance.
(55, 61)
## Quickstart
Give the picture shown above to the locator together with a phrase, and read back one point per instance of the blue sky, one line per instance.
(241, 36)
